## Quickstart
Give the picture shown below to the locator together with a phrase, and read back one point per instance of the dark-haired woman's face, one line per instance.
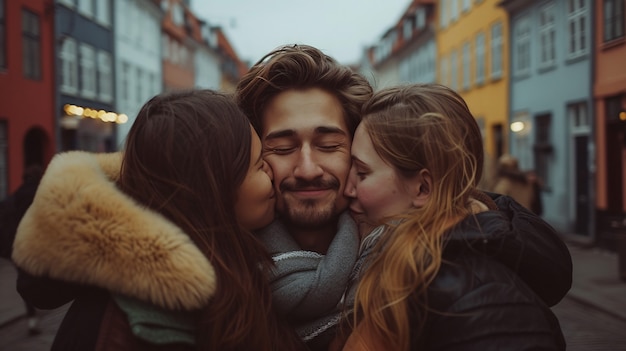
(255, 201)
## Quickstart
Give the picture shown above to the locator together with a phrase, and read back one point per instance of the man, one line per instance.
(305, 107)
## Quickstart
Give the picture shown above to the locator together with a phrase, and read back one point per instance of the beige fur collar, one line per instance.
(81, 228)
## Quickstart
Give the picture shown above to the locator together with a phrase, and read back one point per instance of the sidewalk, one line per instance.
(11, 305)
(596, 283)
(596, 280)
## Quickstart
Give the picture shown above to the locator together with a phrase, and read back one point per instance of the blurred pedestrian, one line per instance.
(12, 210)
(524, 187)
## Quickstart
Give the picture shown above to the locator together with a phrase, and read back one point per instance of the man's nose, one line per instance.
(308, 166)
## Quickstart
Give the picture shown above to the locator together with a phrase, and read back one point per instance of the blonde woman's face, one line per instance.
(376, 189)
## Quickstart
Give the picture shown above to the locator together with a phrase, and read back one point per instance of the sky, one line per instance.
(340, 28)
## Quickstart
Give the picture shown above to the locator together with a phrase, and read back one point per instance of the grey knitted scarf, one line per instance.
(307, 287)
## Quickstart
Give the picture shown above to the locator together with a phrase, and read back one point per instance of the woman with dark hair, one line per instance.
(159, 255)
(448, 267)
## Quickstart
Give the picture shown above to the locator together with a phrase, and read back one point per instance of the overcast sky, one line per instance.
(341, 28)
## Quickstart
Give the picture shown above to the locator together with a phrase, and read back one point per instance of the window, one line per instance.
(578, 115)
(31, 47)
(466, 65)
(496, 50)
(547, 36)
(3, 47)
(613, 107)
(577, 24)
(103, 13)
(87, 71)
(69, 66)
(105, 78)
(522, 46)
(454, 10)
(480, 58)
(543, 147)
(466, 5)
(407, 29)
(85, 7)
(453, 70)
(613, 19)
(420, 18)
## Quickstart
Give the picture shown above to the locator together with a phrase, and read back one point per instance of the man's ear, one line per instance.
(423, 187)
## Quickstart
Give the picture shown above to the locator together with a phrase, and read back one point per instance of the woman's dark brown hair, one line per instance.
(186, 155)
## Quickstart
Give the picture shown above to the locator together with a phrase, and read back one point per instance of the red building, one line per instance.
(27, 130)
(178, 45)
(609, 92)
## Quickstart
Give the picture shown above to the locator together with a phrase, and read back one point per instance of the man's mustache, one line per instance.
(299, 184)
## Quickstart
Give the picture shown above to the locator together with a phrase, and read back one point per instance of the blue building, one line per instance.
(551, 104)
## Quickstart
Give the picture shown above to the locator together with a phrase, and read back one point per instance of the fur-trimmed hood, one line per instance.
(81, 228)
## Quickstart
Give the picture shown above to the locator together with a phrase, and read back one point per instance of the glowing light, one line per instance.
(83, 112)
(622, 116)
(517, 127)
(122, 118)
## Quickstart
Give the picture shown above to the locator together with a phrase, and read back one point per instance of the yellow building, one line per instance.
(472, 50)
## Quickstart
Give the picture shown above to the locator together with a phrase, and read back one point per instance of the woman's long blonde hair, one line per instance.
(416, 127)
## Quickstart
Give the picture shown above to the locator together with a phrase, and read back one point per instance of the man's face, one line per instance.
(307, 144)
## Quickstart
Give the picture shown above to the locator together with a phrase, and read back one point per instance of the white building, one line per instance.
(137, 58)
(207, 61)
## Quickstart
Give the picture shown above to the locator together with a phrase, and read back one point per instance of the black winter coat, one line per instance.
(501, 271)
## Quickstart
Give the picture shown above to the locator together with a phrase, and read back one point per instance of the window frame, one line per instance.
(467, 60)
(31, 45)
(497, 47)
(69, 66)
(577, 18)
(88, 74)
(480, 58)
(104, 68)
(522, 48)
(613, 23)
(547, 36)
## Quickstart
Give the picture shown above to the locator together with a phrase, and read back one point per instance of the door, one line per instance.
(582, 184)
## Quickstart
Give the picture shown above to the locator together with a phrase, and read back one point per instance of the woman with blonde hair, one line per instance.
(449, 267)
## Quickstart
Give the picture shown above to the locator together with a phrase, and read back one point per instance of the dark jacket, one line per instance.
(83, 241)
(501, 271)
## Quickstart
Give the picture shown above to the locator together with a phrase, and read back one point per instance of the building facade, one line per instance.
(137, 58)
(473, 60)
(609, 94)
(551, 104)
(84, 44)
(27, 125)
(178, 46)
(207, 59)
(407, 52)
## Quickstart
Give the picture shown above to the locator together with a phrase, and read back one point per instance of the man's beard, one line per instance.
(310, 213)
